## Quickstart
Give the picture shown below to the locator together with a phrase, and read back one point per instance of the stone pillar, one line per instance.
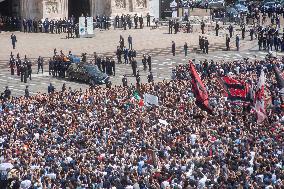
(31, 8)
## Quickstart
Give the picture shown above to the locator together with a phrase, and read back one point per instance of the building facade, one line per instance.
(66, 8)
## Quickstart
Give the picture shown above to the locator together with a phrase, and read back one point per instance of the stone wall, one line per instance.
(59, 8)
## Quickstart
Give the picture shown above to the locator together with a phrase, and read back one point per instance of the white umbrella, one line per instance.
(5, 166)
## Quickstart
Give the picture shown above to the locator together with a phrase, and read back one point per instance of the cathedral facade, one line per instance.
(66, 8)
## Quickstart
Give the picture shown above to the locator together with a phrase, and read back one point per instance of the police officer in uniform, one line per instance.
(124, 81)
(51, 67)
(227, 42)
(112, 62)
(27, 93)
(18, 65)
(7, 93)
(144, 62)
(202, 26)
(104, 65)
(12, 64)
(138, 79)
(149, 61)
(29, 67)
(148, 19)
(150, 77)
(40, 64)
(26, 73)
(217, 27)
(133, 66)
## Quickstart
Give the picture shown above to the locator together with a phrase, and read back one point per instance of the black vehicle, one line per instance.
(87, 73)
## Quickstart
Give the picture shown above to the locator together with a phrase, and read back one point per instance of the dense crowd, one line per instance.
(110, 138)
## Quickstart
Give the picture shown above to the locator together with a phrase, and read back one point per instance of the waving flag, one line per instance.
(279, 79)
(260, 99)
(235, 89)
(199, 90)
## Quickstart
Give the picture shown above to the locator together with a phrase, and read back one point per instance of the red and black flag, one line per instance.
(199, 90)
(235, 90)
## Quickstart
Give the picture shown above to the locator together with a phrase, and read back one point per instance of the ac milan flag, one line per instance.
(260, 99)
(199, 90)
(279, 79)
(235, 89)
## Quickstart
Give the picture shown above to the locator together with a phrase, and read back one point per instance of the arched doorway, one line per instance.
(6, 8)
(78, 7)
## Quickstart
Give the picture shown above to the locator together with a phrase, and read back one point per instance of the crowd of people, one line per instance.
(110, 137)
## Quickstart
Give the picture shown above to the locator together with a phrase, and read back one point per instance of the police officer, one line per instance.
(133, 66)
(141, 21)
(39, 64)
(26, 73)
(7, 93)
(112, 62)
(135, 21)
(138, 79)
(51, 67)
(173, 48)
(18, 64)
(150, 77)
(217, 27)
(27, 93)
(50, 88)
(29, 67)
(171, 26)
(124, 81)
(202, 26)
(227, 42)
(12, 64)
(206, 45)
(148, 19)
(243, 31)
(149, 61)
(104, 64)
(231, 29)
(99, 61)
(144, 62)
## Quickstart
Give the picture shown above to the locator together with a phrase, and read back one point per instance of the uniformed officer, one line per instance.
(243, 31)
(231, 29)
(227, 42)
(135, 21)
(26, 73)
(12, 64)
(150, 77)
(138, 79)
(149, 61)
(148, 19)
(27, 93)
(29, 67)
(39, 64)
(124, 81)
(18, 64)
(112, 62)
(50, 88)
(7, 93)
(144, 62)
(141, 21)
(206, 45)
(202, 26)
(99, 61)
(217, 27)
(133, 66)
(51, 67)
(104, 64)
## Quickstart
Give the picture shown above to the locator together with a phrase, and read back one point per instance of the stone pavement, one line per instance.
(162, 67)
(156, 42)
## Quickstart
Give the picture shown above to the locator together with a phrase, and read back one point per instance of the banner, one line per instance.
(151, 100)
(199, 90)
(90, 26)
(82, 26)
